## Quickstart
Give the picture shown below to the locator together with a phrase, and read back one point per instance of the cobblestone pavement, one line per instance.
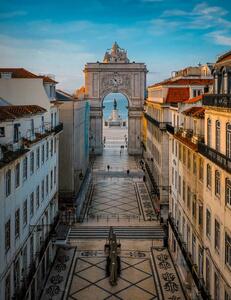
(118, 200)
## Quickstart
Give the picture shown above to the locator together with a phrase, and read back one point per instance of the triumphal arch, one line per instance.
(116, 74)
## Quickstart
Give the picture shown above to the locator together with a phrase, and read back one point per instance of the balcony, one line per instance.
(9, 154)
(218, 158)
(188, 258)
(217, 100)
(170, 129)
(160, 125)
(58, 128)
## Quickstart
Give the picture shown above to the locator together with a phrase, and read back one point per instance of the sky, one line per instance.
(59, 37)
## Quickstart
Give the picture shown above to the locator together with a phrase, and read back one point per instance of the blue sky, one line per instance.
(59, 37)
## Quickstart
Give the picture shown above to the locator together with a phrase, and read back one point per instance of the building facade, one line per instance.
(29, 140)
(163, 98)
(199, 222)
(74, 148)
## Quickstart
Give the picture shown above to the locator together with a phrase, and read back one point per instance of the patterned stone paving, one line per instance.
(89, 280)
(145, 201)
(167, 281)
(114, 198)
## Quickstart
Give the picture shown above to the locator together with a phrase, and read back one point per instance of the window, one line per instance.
(218, 135)
(217, 235)
(32, 127)
(43, 153)
(47, 185)
(52, 118)
(228, 249)
(31, 248)
(7, 235)
(32, 163)
(207, 279)
(176, 180)
(37, 197)
(179, 185)
(180, 151)
(172, 176)
(52, 146)
(31, 205)
(184, 190)
(189, 160)
(189, 198)
(172, 146)
(55, 174)
(25, 212)
(8, 183)
(2, 131)
(42, 190)
(209, 176)
(55, 119)
(228, 192)
(228, 140)
(216, 287)
(8, 288)
(193, 248)
(55, 145)
(194, 207)
(194, 164)
(17, 175)
(38, 158)
(217, 183)
(184, 155)
(51, 180)
(201, 169)
(200, 261)
(200, 215)
(227, 296)
(47, 150)
(25, 168)
(16, 132)
(42, 124)
(209, 126)
(17, 223)
(208, 223)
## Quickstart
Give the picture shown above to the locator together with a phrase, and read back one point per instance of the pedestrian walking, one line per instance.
(108, 167)
(128, 171)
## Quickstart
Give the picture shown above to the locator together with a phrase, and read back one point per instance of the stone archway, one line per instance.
(115, 75)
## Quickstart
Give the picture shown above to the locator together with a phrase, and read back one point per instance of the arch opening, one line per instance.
(115, 122)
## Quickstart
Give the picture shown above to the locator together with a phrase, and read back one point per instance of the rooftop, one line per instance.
(195, 112)
(184, 81)
(17, 111)
(23, 73)
(176, 95)
(194, 100)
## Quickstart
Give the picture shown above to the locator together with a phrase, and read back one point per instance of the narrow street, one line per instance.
(120, 200)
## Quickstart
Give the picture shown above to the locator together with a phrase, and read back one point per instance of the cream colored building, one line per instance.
(161, 110)
(200, 214)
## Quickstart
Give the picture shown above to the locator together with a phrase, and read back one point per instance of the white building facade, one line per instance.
(29, 140)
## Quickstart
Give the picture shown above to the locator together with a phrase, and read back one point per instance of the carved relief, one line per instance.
(115, 82)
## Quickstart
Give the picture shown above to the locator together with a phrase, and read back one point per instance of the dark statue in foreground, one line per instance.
(113, 266)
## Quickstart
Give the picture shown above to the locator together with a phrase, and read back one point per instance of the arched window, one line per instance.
(217, 183)
(218, 135)
(209, 125)
(228, 140)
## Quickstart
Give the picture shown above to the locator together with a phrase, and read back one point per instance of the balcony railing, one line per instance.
(170, 128)
(58, 128)
(187, 256)
(217, 100)
(160, 125)
(218, 158)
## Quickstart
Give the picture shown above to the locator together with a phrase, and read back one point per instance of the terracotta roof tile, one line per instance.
(196, 112)
(184, 81)
(23, 73)
(194, 100)
(176, 95)
(18, 111)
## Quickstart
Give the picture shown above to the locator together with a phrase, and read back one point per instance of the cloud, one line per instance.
(12, 14)
(47, 56)
(220, 38)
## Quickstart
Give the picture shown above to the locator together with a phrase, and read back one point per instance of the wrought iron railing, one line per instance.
(218, 158)
(217, 100)
(160, 125)
(170, 128)
(199, 282)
